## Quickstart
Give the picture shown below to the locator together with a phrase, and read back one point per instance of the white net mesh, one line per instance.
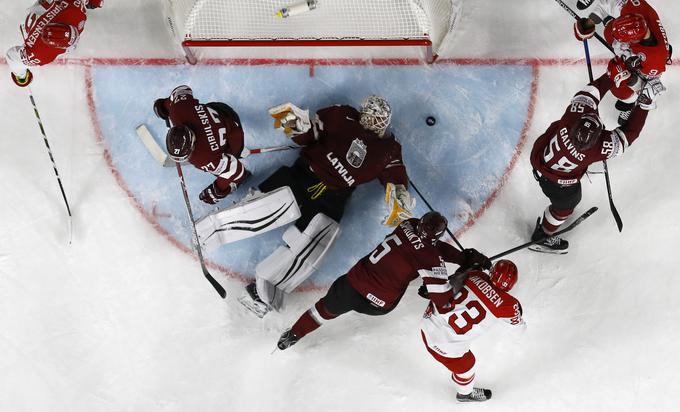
(225, 20)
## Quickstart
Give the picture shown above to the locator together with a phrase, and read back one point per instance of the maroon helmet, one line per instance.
(180, 142)
(431, 226)
(503, 275)
(630, 28)
(585, 132)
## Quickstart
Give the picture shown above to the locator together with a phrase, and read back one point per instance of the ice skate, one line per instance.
(551, 244)
(287, 340)
(477, 395)
(251, 300)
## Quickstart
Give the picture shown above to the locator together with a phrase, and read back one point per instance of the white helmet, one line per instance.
(375, 114)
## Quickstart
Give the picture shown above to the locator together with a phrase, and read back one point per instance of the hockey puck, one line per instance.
(431, 121)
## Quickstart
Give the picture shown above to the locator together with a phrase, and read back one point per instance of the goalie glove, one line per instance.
(293, 120)
(400, 204)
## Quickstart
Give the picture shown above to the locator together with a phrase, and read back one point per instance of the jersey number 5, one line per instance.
(462, 322)
(383, 248)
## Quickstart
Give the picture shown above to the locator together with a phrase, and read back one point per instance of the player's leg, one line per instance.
(340, 298)
(457, 358)
(563, 201)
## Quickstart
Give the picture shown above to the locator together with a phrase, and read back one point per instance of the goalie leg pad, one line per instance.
(252, 216)
(289, 265)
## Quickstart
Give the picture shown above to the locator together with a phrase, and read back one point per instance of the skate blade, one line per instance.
(259, 309)
(543, 249)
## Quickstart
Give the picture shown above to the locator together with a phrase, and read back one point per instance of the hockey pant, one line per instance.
(289, 265)
(563, 201)
(457, 358)
(340, 298)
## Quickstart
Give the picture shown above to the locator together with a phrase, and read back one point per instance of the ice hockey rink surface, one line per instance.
(123, 320)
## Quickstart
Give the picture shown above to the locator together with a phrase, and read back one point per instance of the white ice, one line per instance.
(121, 320)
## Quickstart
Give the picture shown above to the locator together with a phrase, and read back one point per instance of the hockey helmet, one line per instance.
(375, 114)
(586, 131)
(60, 36)
(180, 142)
(630, 28)
(503, 275)
(431, 226)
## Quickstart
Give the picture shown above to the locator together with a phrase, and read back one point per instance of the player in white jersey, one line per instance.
(476, 302)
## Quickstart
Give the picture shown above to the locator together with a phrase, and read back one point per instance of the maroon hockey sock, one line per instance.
(553, 219)
(312, 319)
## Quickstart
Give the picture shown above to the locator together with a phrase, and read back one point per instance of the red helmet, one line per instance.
(630, 28)
(180, 142)
(60, 36)
(503, 275)
(431, 226)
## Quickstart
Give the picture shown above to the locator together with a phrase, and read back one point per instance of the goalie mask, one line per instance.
(431, 226)
(586, 131)
(180, 142)
(630, 28)
(375, 114)
(60, 36)
(503, 275)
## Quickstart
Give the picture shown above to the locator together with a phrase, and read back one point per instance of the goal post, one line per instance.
(253, 23)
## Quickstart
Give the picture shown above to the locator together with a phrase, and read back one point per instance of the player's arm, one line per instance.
(181, 95)
(436, 288)
(230, 174)
(19, 66)
(94, 4)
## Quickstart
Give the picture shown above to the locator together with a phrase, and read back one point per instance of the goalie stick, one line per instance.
(197, 243)
(573, 224)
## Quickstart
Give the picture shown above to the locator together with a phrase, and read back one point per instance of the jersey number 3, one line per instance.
(462, 322)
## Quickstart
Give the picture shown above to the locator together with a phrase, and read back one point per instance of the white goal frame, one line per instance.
(243, 23)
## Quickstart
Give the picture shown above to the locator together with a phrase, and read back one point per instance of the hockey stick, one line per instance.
(576, 17)
(54, 164)
(247, 152)
(612, 207)
(207, 274)
(566, 229)
(431, 209)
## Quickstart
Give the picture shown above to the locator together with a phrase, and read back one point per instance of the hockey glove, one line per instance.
(399, 203)
(23, 81)
(422, 292)
(584, 28)
(94, 4)
(472, 259)
(457, 280)
(213, 194)
(293, 120)
(160, 109)
(650, 92)
(617, 71)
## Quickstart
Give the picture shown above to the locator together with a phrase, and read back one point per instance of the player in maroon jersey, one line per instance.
(375, 285)
(561, 155)
(342, 148)
(209, 136)
(638, 38)
(51, 28)
(462, 310)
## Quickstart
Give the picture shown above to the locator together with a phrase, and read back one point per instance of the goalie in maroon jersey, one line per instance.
(375, 285)
(561, 156)
(342, 148)
(209, 136)
(461, 310)
(51, 28)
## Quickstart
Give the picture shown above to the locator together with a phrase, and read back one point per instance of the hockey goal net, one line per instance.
(248, 23)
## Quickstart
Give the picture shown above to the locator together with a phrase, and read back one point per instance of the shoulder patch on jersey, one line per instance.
(356, 153)
(589, 97)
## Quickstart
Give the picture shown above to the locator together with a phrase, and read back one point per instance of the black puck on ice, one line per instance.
(431, 121)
